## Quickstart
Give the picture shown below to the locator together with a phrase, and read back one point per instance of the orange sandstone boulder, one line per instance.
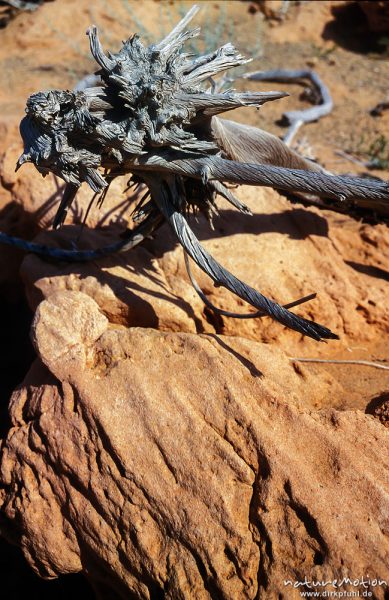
(193, 466)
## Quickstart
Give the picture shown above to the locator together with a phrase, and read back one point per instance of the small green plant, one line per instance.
(374, 152)
(383, 42)
(323, 53)
(213, 32)
(379, 152)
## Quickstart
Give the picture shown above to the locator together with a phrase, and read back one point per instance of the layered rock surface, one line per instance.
(159, 448)
(186, 465)
(285, 251)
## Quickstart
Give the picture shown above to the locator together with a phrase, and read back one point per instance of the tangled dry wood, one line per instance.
(154, 117)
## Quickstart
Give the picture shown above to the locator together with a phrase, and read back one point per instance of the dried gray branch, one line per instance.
(296, 118)
(150, 115)
(227, 313)
(23, 4)
(363, 363)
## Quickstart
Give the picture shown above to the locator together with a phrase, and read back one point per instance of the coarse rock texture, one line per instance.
(379, 407)
(203, 484)
(286, 251)
(377, 14)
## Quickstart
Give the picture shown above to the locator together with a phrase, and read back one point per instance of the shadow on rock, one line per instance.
(368, 270)
(355, 27)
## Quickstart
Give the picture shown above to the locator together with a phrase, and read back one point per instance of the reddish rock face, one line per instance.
(285, 252)
(377, 14)
(218, 480)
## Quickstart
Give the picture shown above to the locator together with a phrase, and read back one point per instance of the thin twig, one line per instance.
(352, 159)
(296, 118)
(227, 313)
(365, 363)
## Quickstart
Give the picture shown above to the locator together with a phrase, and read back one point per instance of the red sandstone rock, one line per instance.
(377, 14)
(284, 251)
(190, 465)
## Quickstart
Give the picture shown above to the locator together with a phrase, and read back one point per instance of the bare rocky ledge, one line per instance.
(214, 482)
(285, 251)
(157, 455)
